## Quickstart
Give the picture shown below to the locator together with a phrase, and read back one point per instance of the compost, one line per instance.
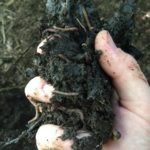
(70, 63)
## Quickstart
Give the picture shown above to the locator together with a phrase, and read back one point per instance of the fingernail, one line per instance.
(104, 42)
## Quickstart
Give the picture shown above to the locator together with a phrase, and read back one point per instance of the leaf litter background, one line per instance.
(20, 26)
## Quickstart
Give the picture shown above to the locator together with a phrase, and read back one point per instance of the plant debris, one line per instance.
(70, 64)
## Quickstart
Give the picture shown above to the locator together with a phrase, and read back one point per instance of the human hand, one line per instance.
(132, 112)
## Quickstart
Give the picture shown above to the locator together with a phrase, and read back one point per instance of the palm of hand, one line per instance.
(133, 129)
(133, 116)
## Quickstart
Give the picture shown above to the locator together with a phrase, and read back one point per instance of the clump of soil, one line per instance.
(71, 67)
(70, 63)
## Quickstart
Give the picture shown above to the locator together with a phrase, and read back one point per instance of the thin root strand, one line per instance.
(65, 93)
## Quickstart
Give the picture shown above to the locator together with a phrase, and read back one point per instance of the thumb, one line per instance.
(128, 79)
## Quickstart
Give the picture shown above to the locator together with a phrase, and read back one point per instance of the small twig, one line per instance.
(65, 93)
(22, 135)
(3, 31)
(37, 111)
(49, 30)
(63, 57)
(36, 123)
(52, 37)
(58, 29)
(68, 29)
(11, 88)
(14, 141)
(87, 19)
(81, 24)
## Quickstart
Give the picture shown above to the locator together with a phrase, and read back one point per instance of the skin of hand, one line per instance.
(48, 138)
(133, 110)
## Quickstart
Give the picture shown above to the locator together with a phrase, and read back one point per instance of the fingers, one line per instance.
(129, 81)
(48, 137)
(38, 89)
(39, 50)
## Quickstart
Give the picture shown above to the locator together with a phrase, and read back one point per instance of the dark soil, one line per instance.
(14, 109)
(70, 63)
(13, 123)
